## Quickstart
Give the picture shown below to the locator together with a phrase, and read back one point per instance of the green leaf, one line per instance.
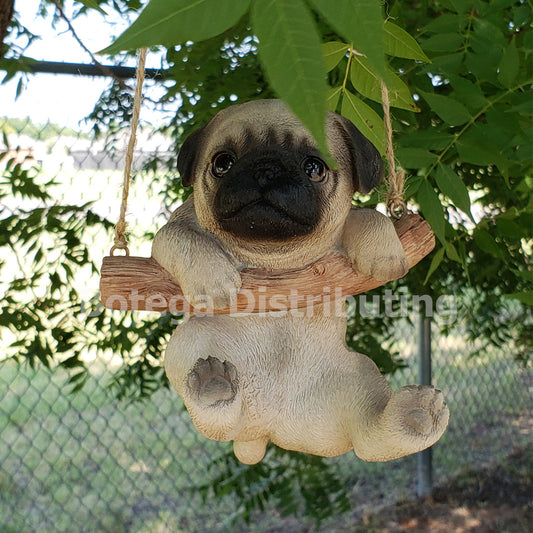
(398, 43)
(478, 146)
(431, 209)
(72, 362)
(332, 98)
(448, 62)
(521, 14)
(359, 23)
(509, 65)
(443, 42)
(412, 184)
(92, 4)
(460, 6)
(445, 23)
(366, 119)
(427, 138)
(487, 243)
(525, 297)
(468, 93)
(451, 111)
(415, 157)
(452, 253)
(333, 52)
(452, 186)
(435, 262)
(487, 38)
(291, 54)
(365, 80)
(483, 66)
(509, 228)
(524, 274)
(170, 22)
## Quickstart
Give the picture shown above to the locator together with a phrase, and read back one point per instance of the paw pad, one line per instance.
(212, 381)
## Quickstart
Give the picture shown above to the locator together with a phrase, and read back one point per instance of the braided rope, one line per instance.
(395, 178)
(120, 241)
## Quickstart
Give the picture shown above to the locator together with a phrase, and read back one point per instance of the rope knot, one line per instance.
(120, 241)
(396, 178)
(395, 195)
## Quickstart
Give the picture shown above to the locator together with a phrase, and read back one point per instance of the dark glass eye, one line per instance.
(315, 168)
(222, 163)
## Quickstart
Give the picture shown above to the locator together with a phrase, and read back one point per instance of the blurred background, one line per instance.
(91, 436)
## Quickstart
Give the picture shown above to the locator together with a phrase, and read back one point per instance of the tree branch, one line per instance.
(141, 284)
(6, 14)
(103, 68)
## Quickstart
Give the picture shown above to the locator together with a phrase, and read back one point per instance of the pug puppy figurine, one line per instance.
(264, 198)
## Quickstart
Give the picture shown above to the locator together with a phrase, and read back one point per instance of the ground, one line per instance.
(496, 499)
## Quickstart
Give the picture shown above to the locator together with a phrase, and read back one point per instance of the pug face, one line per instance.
(270, 190)
(261, 184)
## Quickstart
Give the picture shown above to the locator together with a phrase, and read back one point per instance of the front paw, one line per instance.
(373, 247)
(213, 285)
(385, 265)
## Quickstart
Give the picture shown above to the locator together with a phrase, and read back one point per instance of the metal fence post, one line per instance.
(424, 458)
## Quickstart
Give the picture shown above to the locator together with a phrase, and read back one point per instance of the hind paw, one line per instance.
(212, 381)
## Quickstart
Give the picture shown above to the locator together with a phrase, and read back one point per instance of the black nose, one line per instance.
(267, 171)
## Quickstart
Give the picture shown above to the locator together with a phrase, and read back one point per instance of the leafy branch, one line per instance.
(473, 120)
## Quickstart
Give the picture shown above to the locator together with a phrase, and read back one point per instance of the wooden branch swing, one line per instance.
(140, 283)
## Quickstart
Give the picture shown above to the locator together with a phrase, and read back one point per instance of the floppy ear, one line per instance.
(366, 164)
(187, 156)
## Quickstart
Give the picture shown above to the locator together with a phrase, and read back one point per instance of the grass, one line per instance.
(87, 462)
(85, 459)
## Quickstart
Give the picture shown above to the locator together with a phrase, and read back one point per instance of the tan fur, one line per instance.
(285, 377)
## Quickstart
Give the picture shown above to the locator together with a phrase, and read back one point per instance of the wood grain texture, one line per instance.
(140, 283)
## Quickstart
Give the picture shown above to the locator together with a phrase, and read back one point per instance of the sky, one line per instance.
(66, 100)
(61, 98)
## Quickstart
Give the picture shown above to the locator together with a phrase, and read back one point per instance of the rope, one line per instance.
(396, 178)
(121, 242)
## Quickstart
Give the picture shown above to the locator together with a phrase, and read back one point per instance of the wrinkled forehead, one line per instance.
(262, 123)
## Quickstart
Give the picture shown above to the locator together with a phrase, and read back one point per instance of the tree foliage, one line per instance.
(459, 74)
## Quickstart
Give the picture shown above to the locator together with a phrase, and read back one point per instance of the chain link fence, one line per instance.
(87, 461)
